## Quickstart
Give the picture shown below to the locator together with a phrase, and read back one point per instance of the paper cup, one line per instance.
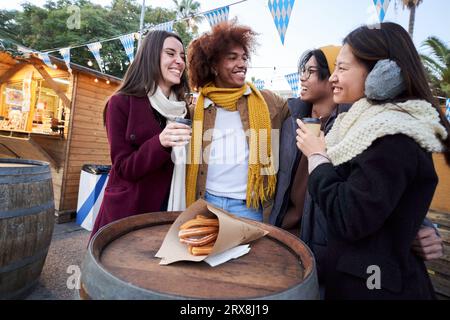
(313, 125)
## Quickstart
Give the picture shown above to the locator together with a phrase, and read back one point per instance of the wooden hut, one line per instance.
(439, 269)
(53, 115)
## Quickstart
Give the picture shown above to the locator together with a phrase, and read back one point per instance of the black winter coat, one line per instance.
(374, 205)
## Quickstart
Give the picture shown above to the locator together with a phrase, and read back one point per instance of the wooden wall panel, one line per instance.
(88, 143)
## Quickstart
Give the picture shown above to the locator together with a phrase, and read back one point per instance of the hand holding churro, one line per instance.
(199, 234)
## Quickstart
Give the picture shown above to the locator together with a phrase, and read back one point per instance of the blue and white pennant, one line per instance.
(44, 57)
(95, 49)
(166, 26)
(65, 53)
(217, 15)
(293, 79)
(128, 44)
(447, 109)
(382, 8)
(259, 84)
(281, 12)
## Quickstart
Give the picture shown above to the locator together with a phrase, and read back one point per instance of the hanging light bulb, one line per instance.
(89, 63)
(95, 80)
(107, 82)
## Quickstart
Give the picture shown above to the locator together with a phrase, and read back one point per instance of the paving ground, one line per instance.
(67, 248)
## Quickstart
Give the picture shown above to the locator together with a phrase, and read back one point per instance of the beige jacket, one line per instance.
(279, 111)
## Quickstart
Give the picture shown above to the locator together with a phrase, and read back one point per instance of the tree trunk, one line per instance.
(412, 20)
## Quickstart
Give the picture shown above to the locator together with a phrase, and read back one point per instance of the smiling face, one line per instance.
(172, 64)
(313, 88)
(349, 77)
(232, 68)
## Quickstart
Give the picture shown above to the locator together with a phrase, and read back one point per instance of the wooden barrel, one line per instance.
(120, 264)
(26, 224)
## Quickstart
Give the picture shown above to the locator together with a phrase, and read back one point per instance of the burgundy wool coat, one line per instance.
(141, 173)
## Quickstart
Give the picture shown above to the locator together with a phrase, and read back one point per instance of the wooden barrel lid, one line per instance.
(126, 249)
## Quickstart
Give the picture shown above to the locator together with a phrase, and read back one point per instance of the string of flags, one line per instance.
(128, 40)
(382, 8)
(280, 9)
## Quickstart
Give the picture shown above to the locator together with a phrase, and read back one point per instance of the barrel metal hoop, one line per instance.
(21, 293)
(25, 178)
(26, 261)
(27, 211)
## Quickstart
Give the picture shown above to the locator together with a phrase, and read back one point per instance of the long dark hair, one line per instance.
(390, 41)
(144, 72)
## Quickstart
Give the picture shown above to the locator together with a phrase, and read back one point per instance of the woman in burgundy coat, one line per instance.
(141, 134)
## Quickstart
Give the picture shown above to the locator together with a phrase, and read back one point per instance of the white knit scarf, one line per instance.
(354, 131)
(171, 108)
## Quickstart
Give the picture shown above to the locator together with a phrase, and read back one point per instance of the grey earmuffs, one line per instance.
(385, 81)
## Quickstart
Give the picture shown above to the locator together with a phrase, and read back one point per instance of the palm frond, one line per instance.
(439, 49)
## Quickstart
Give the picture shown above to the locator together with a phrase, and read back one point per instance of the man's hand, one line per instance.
(428, 245)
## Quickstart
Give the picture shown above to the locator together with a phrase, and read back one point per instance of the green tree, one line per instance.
(188, 10)
(437, 65)
(411, 5)
(45, 28)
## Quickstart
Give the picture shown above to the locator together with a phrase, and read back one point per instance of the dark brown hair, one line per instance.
(144, 72)
(209, 49)
(390, 41)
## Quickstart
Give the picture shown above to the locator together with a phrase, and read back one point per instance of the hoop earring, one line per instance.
(214, 71)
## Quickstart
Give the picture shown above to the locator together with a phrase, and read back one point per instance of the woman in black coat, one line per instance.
(373, 175)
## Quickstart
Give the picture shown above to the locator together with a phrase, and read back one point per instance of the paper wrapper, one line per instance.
(232, 232)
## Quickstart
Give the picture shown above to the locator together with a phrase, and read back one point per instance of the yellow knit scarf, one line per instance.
(261, 174)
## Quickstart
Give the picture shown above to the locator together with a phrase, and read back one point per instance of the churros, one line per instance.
(199, 234)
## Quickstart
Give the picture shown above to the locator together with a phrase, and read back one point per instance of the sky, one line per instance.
(313, 23)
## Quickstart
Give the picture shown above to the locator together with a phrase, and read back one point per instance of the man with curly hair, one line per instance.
(232, 161)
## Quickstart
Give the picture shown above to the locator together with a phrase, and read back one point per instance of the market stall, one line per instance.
(51, 114)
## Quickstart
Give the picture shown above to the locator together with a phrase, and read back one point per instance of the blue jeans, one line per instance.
(235, 206)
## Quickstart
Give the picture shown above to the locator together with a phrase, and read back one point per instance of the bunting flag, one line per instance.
(217, 15)
(95, 49)
(65, 53)
(382, 7)
(44, 57)
(293, 79)
(259, 84)
(447, 109)
(166, 26)
(281, 12)
(128, 44)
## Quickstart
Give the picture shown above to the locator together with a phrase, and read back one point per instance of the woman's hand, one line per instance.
(428, 244)
(307, 142)
(175, 134)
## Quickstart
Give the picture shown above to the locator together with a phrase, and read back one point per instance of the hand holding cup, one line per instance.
(309, 137)
(176, 133)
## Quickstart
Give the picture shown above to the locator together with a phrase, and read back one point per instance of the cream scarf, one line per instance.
(171, 108)
(354, 131)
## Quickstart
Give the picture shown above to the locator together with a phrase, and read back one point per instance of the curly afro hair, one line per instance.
(209, 49)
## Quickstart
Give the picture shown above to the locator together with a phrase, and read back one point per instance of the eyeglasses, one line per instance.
(305, 74)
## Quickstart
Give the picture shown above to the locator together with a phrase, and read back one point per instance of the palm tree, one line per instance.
(437, 65)
(412, 6)
(188, 9)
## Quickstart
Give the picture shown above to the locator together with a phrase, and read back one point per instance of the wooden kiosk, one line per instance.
(53, 115)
